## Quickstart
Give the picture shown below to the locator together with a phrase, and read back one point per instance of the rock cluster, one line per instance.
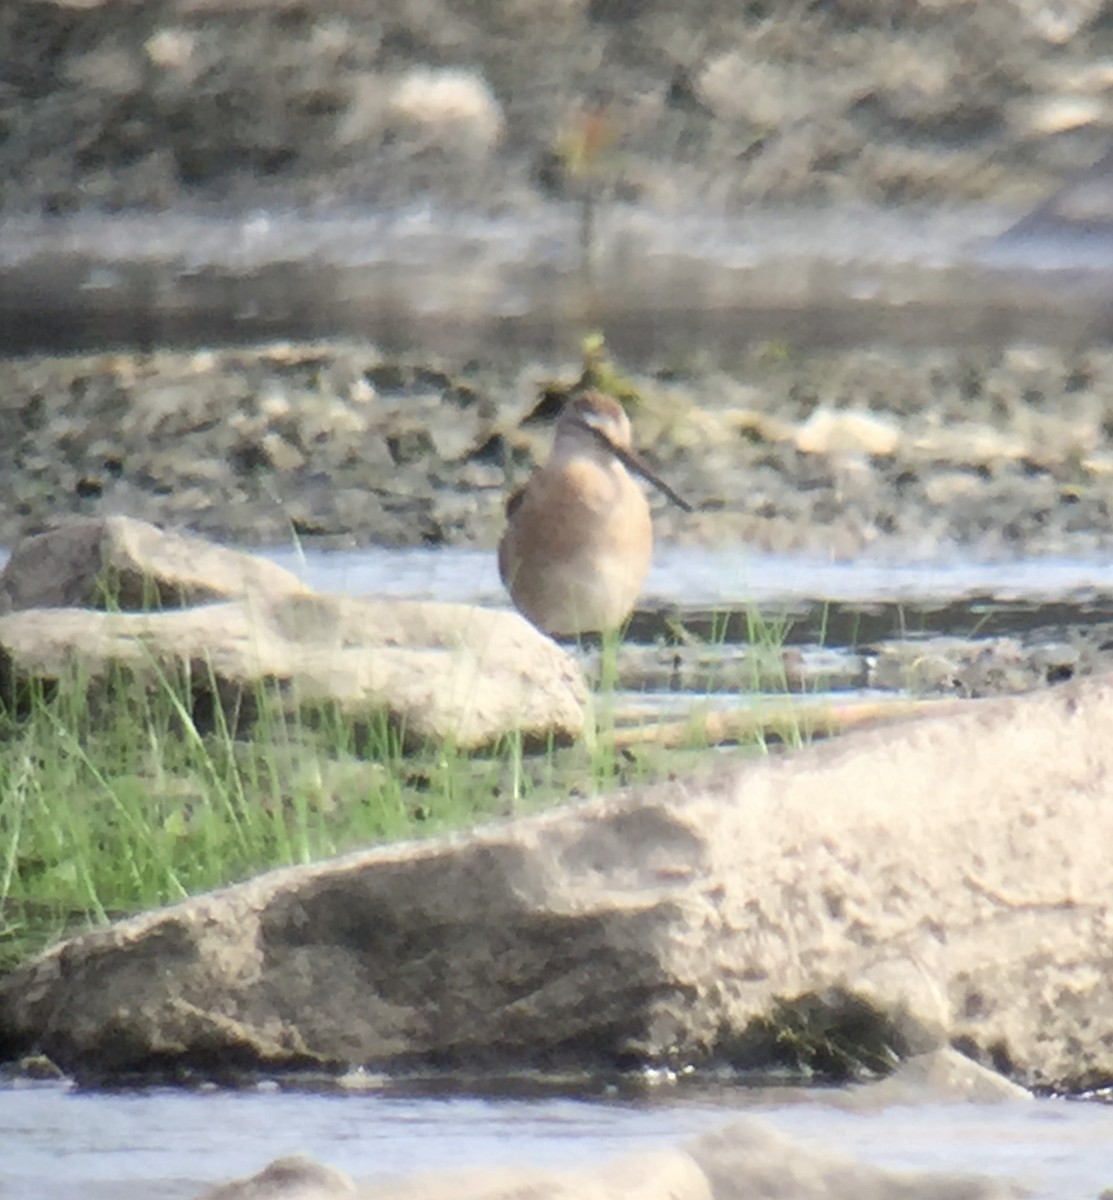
(94, 597)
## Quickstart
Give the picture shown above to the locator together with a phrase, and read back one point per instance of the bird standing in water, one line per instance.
(579, 539)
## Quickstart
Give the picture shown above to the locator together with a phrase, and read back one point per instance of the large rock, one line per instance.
(439, 671)
(745, 1160)
(122, 563)
(946, 880)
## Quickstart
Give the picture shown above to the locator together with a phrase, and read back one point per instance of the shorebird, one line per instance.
(578, 538)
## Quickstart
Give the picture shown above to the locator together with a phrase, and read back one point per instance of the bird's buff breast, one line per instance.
(578, 551)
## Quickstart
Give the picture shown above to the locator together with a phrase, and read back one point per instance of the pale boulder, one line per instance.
(128, 564)
(439, 671)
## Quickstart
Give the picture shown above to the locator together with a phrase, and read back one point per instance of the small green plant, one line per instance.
(837, 1037)
(133, 791)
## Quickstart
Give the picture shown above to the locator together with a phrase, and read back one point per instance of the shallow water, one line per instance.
(57, 1144)
(466, 284)
(730, 577)
(830, 614)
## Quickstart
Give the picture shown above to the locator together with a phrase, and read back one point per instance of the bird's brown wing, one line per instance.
(514, 500)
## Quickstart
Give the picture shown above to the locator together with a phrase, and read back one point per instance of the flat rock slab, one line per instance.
(438, 671)
(945, 880)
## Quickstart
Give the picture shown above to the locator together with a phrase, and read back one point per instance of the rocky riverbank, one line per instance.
(177, 103)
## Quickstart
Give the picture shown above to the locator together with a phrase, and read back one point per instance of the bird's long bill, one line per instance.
(632, 463)
(636, 465)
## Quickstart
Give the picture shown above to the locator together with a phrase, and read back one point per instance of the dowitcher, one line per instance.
(578, 539)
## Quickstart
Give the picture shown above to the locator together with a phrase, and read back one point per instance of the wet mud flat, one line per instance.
(907, 454)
